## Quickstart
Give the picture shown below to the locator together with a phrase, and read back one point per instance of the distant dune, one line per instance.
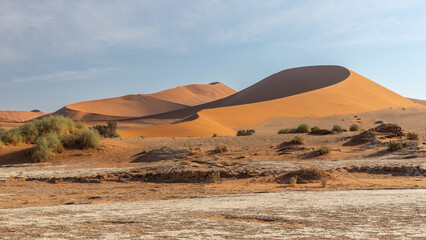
(422, 102)
(19, 116)
(141, 105)
(316, 91)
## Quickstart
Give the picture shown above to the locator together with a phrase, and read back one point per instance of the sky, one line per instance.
(54, 53)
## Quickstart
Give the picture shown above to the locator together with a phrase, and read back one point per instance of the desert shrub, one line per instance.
(1, 144)
(297, 140)
(108, 131)
(303, 128)
(287, 130)
(12, 136)
(87, 138)
(315, 128)
(324, 183)
(142, 137)
(378, 122)
(213, 176)
(308, 174)
(246, 132)
(214, 135)
(293, 181)
(324, 150)
(337, 128)
(355, 128)
(412, 136)
(221, 149)
(55, 123)
(46, 146)
(29, 132)
(398, 145)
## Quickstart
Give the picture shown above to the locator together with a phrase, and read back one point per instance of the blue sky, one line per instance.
(53, 53)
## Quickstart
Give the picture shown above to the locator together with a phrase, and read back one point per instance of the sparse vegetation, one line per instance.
(214, 135)
(355, 128)
(142, 137)
(246, 132)
(303, 128)
(398, 145)
(324, 150)
(324, 183)
(297, 140)
(51, 134)
(213, 176)
(221, 149)
(378, 122)
(412, 136)
(287, 130)
(337, 128)
(293, 181)
(315, 128)
(308, 174)
(108, 131)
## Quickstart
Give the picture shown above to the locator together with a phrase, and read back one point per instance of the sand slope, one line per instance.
(318, 91)
(146, 104)
(19, 116)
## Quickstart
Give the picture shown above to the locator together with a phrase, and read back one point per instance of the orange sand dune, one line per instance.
(315, 92)
(19, 116)
(146, 104)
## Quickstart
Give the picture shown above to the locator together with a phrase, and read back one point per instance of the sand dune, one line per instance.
(18, 116)
(146, 104)
(314, 92)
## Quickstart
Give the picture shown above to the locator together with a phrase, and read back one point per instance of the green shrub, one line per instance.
(315, 128)
(308, 174)
(324, 150)
(213, 176)
(355, 128)
(412, 136)
(108, 131)
(297, 140)
(287, 131)
(221, 149)
(46, 146)
(398, 145)
(337, 128)
(1, 144)
(214, 135)
(87, 138)
(29, 132)
(379, 122)
(12, 136)
(303, 128)
(246, 132)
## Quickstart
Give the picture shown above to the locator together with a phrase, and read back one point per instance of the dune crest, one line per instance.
(141, 105)
(333, 96)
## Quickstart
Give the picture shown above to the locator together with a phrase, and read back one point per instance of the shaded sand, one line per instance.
(146, 104)
(339, 94)
(19, 116)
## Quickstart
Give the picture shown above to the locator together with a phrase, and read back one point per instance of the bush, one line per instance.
(213, 176)
(11, 137)
(308, 174)
(1, 145)
(324, 150)
(412, 136)
(287, 131)
(46, 146)
(87, 138)
(378, 122)
(108, 131)
(297, 140)
(355, 128)
(221, 149)
(398, 145)
(29, 132)
(214, 135)
(315, 128)
(247, 132)
(303, 128)
(337, 128)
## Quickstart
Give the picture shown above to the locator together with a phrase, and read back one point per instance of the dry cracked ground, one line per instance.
(361, 214)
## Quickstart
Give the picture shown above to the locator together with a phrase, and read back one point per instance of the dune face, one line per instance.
(19, 116)
(321, 91)
(141, 105)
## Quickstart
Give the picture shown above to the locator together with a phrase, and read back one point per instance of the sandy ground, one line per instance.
(382, 214)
